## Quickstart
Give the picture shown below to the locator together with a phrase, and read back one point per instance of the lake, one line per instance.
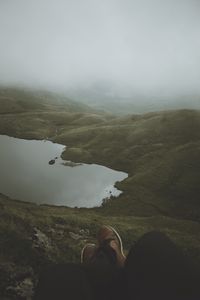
(25, 174)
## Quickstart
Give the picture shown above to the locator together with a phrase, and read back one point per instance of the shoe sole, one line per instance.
(119, 239)
(82, 251)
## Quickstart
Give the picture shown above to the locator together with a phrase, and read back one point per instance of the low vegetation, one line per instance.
(160, 152)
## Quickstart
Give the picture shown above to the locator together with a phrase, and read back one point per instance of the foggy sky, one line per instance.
(147, 46)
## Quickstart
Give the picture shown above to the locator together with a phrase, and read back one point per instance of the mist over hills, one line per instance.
(137, 46)
(97, 98)
(13, 99)
(105, 97)
(119, 56)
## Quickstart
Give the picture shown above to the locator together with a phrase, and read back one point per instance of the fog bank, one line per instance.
(130, 46)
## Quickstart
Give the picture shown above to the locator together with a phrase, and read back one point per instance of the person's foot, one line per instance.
(107, 235)
(88, 253)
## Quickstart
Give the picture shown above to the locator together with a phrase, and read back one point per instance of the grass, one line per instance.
(160, 152)
(22, 257)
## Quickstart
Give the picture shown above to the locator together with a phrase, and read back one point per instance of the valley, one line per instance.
(160, 151)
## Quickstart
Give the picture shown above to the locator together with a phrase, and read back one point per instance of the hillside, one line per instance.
(103, 97)
(160, 152)
(40, 114)
(33, 237)
(16, 100)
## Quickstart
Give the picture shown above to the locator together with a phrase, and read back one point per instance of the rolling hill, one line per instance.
(160, 151)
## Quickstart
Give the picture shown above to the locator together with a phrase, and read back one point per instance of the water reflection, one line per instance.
(25, 174)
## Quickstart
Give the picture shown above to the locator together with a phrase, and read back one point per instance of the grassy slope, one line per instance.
(21, 257)
(160, 152)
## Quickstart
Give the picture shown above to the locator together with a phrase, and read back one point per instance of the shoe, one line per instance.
(88, 253)
(107, 235)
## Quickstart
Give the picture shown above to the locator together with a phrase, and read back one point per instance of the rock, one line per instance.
(17, 281)
(57, 233)
(82, 235)
(41, 240)
(84, 232)
(75, 236)
(23, 289)
(71, 164)
(52, 162)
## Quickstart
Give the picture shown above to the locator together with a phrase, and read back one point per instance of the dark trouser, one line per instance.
(155, 269)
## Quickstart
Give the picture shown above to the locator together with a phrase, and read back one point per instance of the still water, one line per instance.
(25, 174)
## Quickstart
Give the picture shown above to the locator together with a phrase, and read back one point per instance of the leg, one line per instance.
(156, 269)
(62, 282)
(87, 281)
(101, 269)
(104, 262)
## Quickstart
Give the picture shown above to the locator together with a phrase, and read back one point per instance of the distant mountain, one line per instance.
(36, 114)
(102, 97)
(96, 99)
(13, 100)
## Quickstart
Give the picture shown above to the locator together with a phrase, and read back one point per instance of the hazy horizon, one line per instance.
(122, 48)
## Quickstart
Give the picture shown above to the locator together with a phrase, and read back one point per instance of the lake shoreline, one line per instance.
(42, 174)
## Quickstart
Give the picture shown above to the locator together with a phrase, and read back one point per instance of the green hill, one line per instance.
(40, 114)
(159, 151)
(16, 100)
